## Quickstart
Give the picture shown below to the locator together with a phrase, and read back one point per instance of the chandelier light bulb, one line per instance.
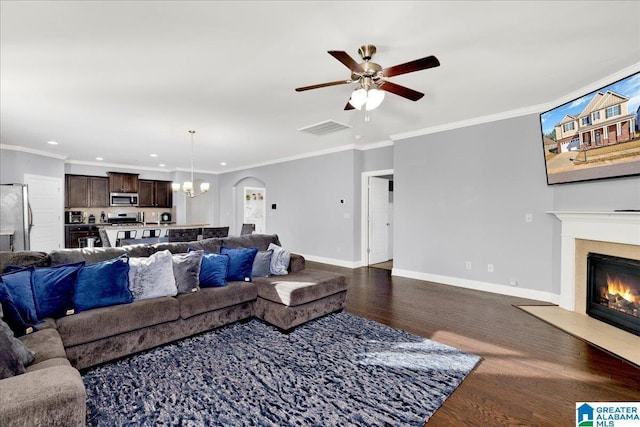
(187, 186)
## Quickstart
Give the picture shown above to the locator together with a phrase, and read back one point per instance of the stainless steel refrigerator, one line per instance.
(15, 217)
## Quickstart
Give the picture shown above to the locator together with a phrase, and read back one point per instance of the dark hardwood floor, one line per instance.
(531, 373)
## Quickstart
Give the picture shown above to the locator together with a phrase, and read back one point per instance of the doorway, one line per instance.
(377, 219)
(255, 206)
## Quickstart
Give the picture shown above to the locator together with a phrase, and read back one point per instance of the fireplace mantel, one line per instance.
(615, 227)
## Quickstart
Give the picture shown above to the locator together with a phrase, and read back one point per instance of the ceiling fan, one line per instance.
(372, 78)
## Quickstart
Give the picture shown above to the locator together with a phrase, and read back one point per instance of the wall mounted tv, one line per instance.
(595, 136)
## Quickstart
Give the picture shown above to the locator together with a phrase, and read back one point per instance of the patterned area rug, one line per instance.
(337, 370)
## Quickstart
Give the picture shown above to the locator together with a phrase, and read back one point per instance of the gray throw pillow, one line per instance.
(14, 355)
(279, 260)
(262, 264)
(186, 269)
(152, 277)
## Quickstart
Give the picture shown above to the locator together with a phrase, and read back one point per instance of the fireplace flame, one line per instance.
(617, 286)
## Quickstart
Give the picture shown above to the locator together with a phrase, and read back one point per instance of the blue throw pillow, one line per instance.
(19, 285)
(103, 284)
(213, 269)
(53, 289)
(12, 315)
(240, 262)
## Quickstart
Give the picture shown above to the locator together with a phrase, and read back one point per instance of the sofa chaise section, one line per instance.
(50, 393)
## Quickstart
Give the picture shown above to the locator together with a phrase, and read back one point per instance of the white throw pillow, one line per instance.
(279, 260)
(152, 277)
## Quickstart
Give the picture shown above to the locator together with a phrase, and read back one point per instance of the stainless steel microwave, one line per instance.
(123, 199)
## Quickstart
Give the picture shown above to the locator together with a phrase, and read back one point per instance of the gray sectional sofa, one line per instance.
(51, 392)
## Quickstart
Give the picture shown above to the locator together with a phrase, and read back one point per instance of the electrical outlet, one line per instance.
(528, 217)
(513, 282)
(490, 268)
(468, 265)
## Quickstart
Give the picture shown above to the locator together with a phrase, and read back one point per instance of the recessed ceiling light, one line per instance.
(52, 143)
(153, 155)
(162, 165)
(99, 158)
(223, 163)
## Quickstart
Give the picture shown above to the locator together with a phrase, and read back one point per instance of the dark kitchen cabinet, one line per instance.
(146, 189)
(164, 194)
(76, 191)
(123, 182)
(73, 234)
(86, 191)
(98, 192)
(155, 194)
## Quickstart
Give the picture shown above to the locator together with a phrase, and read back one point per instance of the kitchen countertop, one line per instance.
(151, 225)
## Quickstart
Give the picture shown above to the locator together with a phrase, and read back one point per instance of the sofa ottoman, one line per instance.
(289, 301)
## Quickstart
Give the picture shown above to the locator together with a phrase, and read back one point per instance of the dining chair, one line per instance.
(209, 232)
(183, 234)
(247, 229)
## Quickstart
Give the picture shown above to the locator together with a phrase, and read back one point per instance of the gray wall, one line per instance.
(462, 195)
(608, 194)
(376, 159)
(309, 218)
(15, 164)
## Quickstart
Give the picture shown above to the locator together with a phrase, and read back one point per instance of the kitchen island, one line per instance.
(119, 233)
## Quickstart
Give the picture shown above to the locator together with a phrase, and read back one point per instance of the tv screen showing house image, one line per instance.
(595, 136)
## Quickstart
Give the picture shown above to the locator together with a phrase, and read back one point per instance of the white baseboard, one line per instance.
(513, 291)
(332, 261)
(495, 288)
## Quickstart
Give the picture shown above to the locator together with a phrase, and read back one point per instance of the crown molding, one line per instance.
(32, 151)
(296, 157)
(534, 109)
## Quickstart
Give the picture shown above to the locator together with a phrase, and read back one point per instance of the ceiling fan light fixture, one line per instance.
(358, 98)
(370, 99)
(374, 99)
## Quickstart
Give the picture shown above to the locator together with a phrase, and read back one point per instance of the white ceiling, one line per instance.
(124, 79)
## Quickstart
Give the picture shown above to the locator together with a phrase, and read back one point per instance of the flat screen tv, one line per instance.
(596, 136)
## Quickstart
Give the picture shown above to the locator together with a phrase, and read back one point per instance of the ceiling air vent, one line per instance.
(323, 128)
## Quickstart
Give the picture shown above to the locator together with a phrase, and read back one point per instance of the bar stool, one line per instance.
(125, 235)
(151, 233)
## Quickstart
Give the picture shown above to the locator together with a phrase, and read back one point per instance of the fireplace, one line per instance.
(613, 291)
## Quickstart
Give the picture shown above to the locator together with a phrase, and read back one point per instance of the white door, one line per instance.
(45, 198)
(378, 220)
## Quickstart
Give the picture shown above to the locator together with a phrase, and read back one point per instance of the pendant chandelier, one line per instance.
(187, 186)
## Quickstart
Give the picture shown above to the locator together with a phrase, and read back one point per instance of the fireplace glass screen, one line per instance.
(613, 291)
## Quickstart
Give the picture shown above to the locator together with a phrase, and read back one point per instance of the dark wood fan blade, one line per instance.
(410, 67)
(338, 82)
(404, 92)
(346, 60)
(349, 106)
